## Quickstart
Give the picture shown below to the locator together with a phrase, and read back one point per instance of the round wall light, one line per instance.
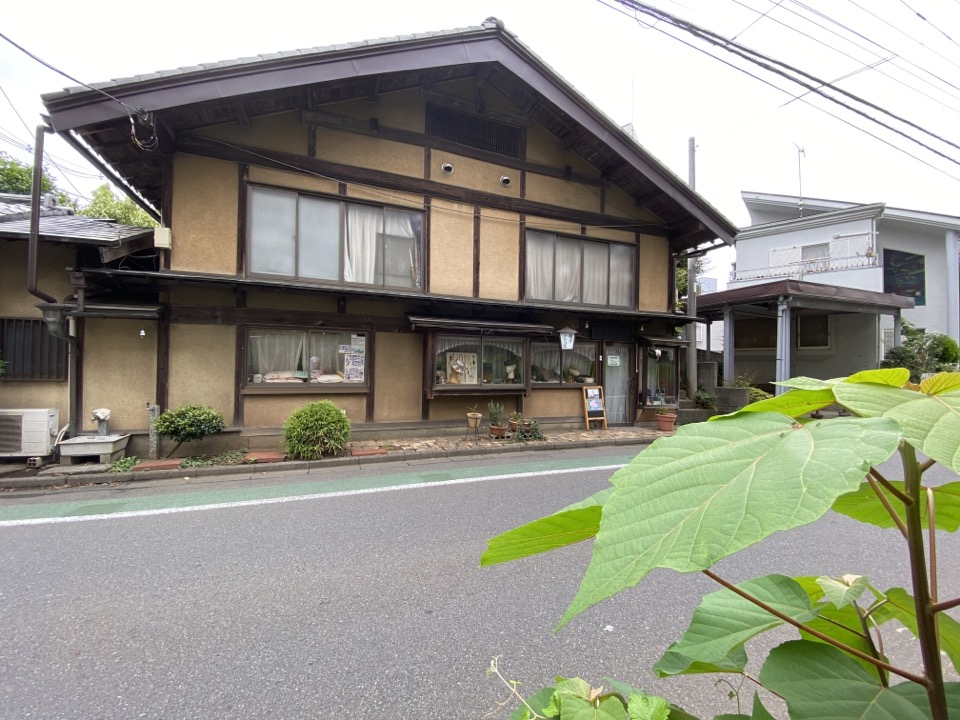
(447, 169)
(505, 181)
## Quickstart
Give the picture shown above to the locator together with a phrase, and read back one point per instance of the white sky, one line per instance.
(747, 132)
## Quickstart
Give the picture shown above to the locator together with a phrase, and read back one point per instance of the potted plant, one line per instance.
(495, 415)
(666, 420)
(473, 417)
(516, 417)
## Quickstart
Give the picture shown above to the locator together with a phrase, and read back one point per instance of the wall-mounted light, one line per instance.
(505, 181)
(143, 333)
(567, 335)
(447, 169)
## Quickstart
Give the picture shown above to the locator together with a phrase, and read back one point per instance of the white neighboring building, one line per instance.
(868, 247)
(705, 286)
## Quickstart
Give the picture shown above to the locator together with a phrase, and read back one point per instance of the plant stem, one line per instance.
(900, 495)
(906, 674)
(924, 608)
(884, 680)
(946, 605)
(895, 516)
(926, 465)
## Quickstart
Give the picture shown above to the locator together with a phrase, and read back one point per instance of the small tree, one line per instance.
(104, 204)
(187, 423)
(922, 352)
(718, 487)
(315, 430)
(16, 177)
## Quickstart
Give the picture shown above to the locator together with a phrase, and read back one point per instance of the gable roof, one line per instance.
(188, 98)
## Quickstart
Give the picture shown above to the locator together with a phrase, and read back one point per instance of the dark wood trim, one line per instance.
(477, 107)
(166, 205)
(522, 277)
(332, 121)
(427, 158)
(523, 184)
(342, 188)
(583, 231)
(163, 355)
(207, 147)
(370, 377)
(307, 389)
(243, 176)
(225, 315)
(476, 251)
(240, 361)
(311, 141)
(672, 289)
(425, 244)
(429, 358)
(603, 198)
(77, 350)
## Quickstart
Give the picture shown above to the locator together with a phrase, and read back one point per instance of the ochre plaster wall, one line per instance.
(271, 411)
(296, 181)
(204, 215)
(201, 367)
(52, 278)
(654, 274)
(282, 132)
(36, 394)
(369, 152)
(552, 226)
(565, 193)
(545, 149)
(499, 255)
(119, 372)
(402, 110)
(456, 407)
(623, 236)
(399, 377)
(474, 174)
(554, 403)
(451, 248)
(387, 197)
(618, 202)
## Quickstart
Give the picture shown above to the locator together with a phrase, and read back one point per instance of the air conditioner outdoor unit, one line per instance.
(28, 432)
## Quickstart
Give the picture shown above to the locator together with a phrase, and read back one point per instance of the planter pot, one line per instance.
(473, 419)
(498, 431)
(513, 425)
(666, 422)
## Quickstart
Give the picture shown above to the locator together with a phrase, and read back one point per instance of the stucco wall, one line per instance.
(201, 367)
(36, 394)
(451, 248)
(398, 364)
(554, 403)
(282, 132)
(499, 255)
(654, 274)
(369, 152)
(271, 411)
(204, 215)
(296, 181)
(52, 278)
(564, 193)
(545, 149)
(402, 110)
(475, 174)
(119, 372)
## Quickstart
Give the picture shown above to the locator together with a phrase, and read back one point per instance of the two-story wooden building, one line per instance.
(402, 226)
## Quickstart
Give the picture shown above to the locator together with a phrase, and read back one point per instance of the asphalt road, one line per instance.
(363, 606)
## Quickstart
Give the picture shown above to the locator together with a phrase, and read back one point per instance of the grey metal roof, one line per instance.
(60, 224)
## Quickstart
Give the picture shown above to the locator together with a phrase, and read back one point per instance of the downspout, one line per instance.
(53, 317)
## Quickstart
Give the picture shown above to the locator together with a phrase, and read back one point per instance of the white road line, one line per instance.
(295, 498)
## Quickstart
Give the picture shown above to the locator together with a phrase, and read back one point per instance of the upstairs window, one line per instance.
(904, 273)
(30, 352)
(314, 238)
(579, 271)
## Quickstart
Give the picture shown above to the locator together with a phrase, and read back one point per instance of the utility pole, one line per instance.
(692, 289)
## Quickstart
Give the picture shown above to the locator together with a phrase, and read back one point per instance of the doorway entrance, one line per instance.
(617, 383)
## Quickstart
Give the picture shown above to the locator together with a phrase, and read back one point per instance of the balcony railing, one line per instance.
(800, 269)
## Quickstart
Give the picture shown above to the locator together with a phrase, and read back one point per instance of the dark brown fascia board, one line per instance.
(470, 47)
(804, 292)
(344, 123)
(207, 147)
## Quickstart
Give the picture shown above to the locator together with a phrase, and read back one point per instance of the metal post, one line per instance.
(692, 381)
(784, 343)
(729, 367)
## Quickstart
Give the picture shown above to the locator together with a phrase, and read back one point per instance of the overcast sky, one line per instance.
(897, 54)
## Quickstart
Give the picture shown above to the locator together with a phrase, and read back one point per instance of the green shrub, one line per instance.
(706, 400)
(124, 464)
(316, 430)
(756, 395)
(187, 423)
(944, 349)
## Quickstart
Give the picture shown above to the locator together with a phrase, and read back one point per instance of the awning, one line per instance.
(469, 325)
(664, 340)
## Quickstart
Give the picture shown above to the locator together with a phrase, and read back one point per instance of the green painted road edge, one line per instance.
(171, 499)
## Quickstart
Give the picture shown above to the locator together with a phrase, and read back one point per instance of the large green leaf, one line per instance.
(576, 708)
(917, 694)
(641, 706)
(900, 606)
(865, 506)
(674, 663)
(715, 488)
(570, 525)
(539, 702)
(931, 423)
(818, 682)
(807, 383)
(794, 403)
(627, 691)
(724, 621)
(894, 377)
(845, 590)
(941, 383)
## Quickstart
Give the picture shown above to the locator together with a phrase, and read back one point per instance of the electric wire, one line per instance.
(899, 149)
(782, 69)
(935, 27)
(758, 18)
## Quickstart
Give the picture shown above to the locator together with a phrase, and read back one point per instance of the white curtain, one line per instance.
(539, 272)
(401, 250)
(622, 266)
(567, 278)
(596, 269)
(364, 228)
(272, 351)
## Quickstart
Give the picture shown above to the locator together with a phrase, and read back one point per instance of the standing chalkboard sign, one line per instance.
(593, 407)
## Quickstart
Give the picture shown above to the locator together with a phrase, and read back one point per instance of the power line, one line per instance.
(935, 27)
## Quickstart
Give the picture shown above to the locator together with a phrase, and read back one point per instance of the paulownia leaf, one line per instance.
(931, 423)
(794, 403)
(715, 488)
(818, 682)
(539, 701)
(641, 706)
(894, 377)
(941, 383)
(724, 621)
(807, 383)
(900, 606)
(865, 506)
(568, 526)
(673, 663)
(917, 694)
(576, 708)
(627, 690)
(845, 590)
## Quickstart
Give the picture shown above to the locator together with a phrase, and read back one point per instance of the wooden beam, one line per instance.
(457, 103)
(208, 147)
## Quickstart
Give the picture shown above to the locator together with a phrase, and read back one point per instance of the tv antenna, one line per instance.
(801, 153)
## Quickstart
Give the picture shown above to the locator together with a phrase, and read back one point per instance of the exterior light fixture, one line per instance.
(505, 181)
(567, 336)
(447, 169)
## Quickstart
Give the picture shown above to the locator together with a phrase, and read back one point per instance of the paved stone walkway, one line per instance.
(18, 475)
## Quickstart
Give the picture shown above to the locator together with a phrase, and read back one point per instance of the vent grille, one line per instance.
(11, 433)
(474, 131)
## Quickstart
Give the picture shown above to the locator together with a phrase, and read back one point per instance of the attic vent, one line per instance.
(475, 131)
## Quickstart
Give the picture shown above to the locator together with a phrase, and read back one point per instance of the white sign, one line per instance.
(353, 367)
(358, 343)
(613, 361)
(343, 349)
